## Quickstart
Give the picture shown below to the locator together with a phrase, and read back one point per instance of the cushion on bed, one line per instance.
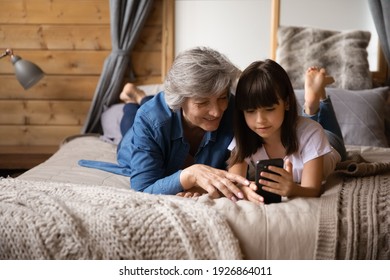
(111, 118)
(361, 114)
(342, 53)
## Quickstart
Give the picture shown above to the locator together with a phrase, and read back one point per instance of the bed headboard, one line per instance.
(379, 76)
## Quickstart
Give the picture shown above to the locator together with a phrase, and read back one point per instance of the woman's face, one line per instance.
(266, 121)
(205, 113)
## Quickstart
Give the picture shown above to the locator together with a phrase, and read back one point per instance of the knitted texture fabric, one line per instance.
(355, 219)
(357, 166)
(41, 220)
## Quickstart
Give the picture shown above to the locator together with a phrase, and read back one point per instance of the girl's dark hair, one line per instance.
(262, 84)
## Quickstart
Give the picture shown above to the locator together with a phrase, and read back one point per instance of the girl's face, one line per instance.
(205, 113)
(266, 121)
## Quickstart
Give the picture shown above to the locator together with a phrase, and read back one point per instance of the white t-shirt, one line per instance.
(312, 143)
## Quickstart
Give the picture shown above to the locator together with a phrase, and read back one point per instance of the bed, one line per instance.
(60, 210)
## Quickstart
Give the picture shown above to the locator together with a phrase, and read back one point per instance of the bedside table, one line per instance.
(24, 157)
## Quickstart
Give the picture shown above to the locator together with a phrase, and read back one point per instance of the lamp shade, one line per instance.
(27, 73)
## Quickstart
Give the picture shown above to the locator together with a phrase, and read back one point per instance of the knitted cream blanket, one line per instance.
(41, 220)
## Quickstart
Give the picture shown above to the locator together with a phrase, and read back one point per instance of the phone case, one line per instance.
(262, 165)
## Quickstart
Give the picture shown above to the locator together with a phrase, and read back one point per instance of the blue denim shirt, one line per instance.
(152, 153)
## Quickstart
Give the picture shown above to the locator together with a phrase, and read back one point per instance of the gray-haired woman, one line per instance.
(179, 141)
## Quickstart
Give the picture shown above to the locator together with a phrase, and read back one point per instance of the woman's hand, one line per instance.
(213, 181)
(188, 194)
(250, 193)
(193, 192)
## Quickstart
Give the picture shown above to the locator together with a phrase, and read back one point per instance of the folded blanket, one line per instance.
(42, 220)
(357, 166)
(355, 214)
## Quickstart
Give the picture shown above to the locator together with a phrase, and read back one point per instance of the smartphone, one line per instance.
(262, 165)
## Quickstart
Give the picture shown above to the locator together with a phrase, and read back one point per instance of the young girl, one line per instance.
(267, 125)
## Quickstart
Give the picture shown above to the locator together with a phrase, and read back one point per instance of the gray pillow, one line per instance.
(112, 116)
(111, 120)
(342, 53)
(360, 113)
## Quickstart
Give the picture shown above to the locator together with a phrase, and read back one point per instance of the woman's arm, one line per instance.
(156, 160)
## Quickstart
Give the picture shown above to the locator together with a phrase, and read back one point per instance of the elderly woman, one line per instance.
(178, 143)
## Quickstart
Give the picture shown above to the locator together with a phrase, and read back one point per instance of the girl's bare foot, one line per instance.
(131, 94)
(315, 82)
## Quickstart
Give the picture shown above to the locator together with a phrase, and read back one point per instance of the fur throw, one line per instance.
(342, 53)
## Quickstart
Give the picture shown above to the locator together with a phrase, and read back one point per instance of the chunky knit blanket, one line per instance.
(41, 220)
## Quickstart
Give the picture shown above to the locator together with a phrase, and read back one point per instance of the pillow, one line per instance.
(111, 120)
(387, 119)
(361, 114)
(342, 53)
(112, 116)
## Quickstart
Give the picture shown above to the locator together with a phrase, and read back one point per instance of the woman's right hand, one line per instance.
(214, 181)
(250, 193)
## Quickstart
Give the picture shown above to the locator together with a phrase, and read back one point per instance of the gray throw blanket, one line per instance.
(41, 220)
(357, 166)
(355, 213)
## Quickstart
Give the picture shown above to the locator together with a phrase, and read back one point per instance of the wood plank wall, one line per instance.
(69, 40)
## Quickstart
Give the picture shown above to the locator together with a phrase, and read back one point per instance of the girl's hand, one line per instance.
(213, 181)
(284, 184)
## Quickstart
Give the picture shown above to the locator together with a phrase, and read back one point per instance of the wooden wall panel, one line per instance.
(69, 40)
(86, 62)
(33, 135)
(55, 11)
(61, 87)
(43, 112)
(56, 37)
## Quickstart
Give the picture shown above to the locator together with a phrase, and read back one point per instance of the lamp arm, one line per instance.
(6, 52)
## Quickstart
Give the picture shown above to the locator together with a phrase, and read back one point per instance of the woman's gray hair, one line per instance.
(199, 72)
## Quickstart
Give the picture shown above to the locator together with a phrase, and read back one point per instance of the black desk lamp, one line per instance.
(27, 73)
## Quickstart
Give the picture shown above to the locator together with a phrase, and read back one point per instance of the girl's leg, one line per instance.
(328, 120)
(319, 107)
(327, 117)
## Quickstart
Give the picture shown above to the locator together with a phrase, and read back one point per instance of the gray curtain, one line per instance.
(380, 10)
(127, 19)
